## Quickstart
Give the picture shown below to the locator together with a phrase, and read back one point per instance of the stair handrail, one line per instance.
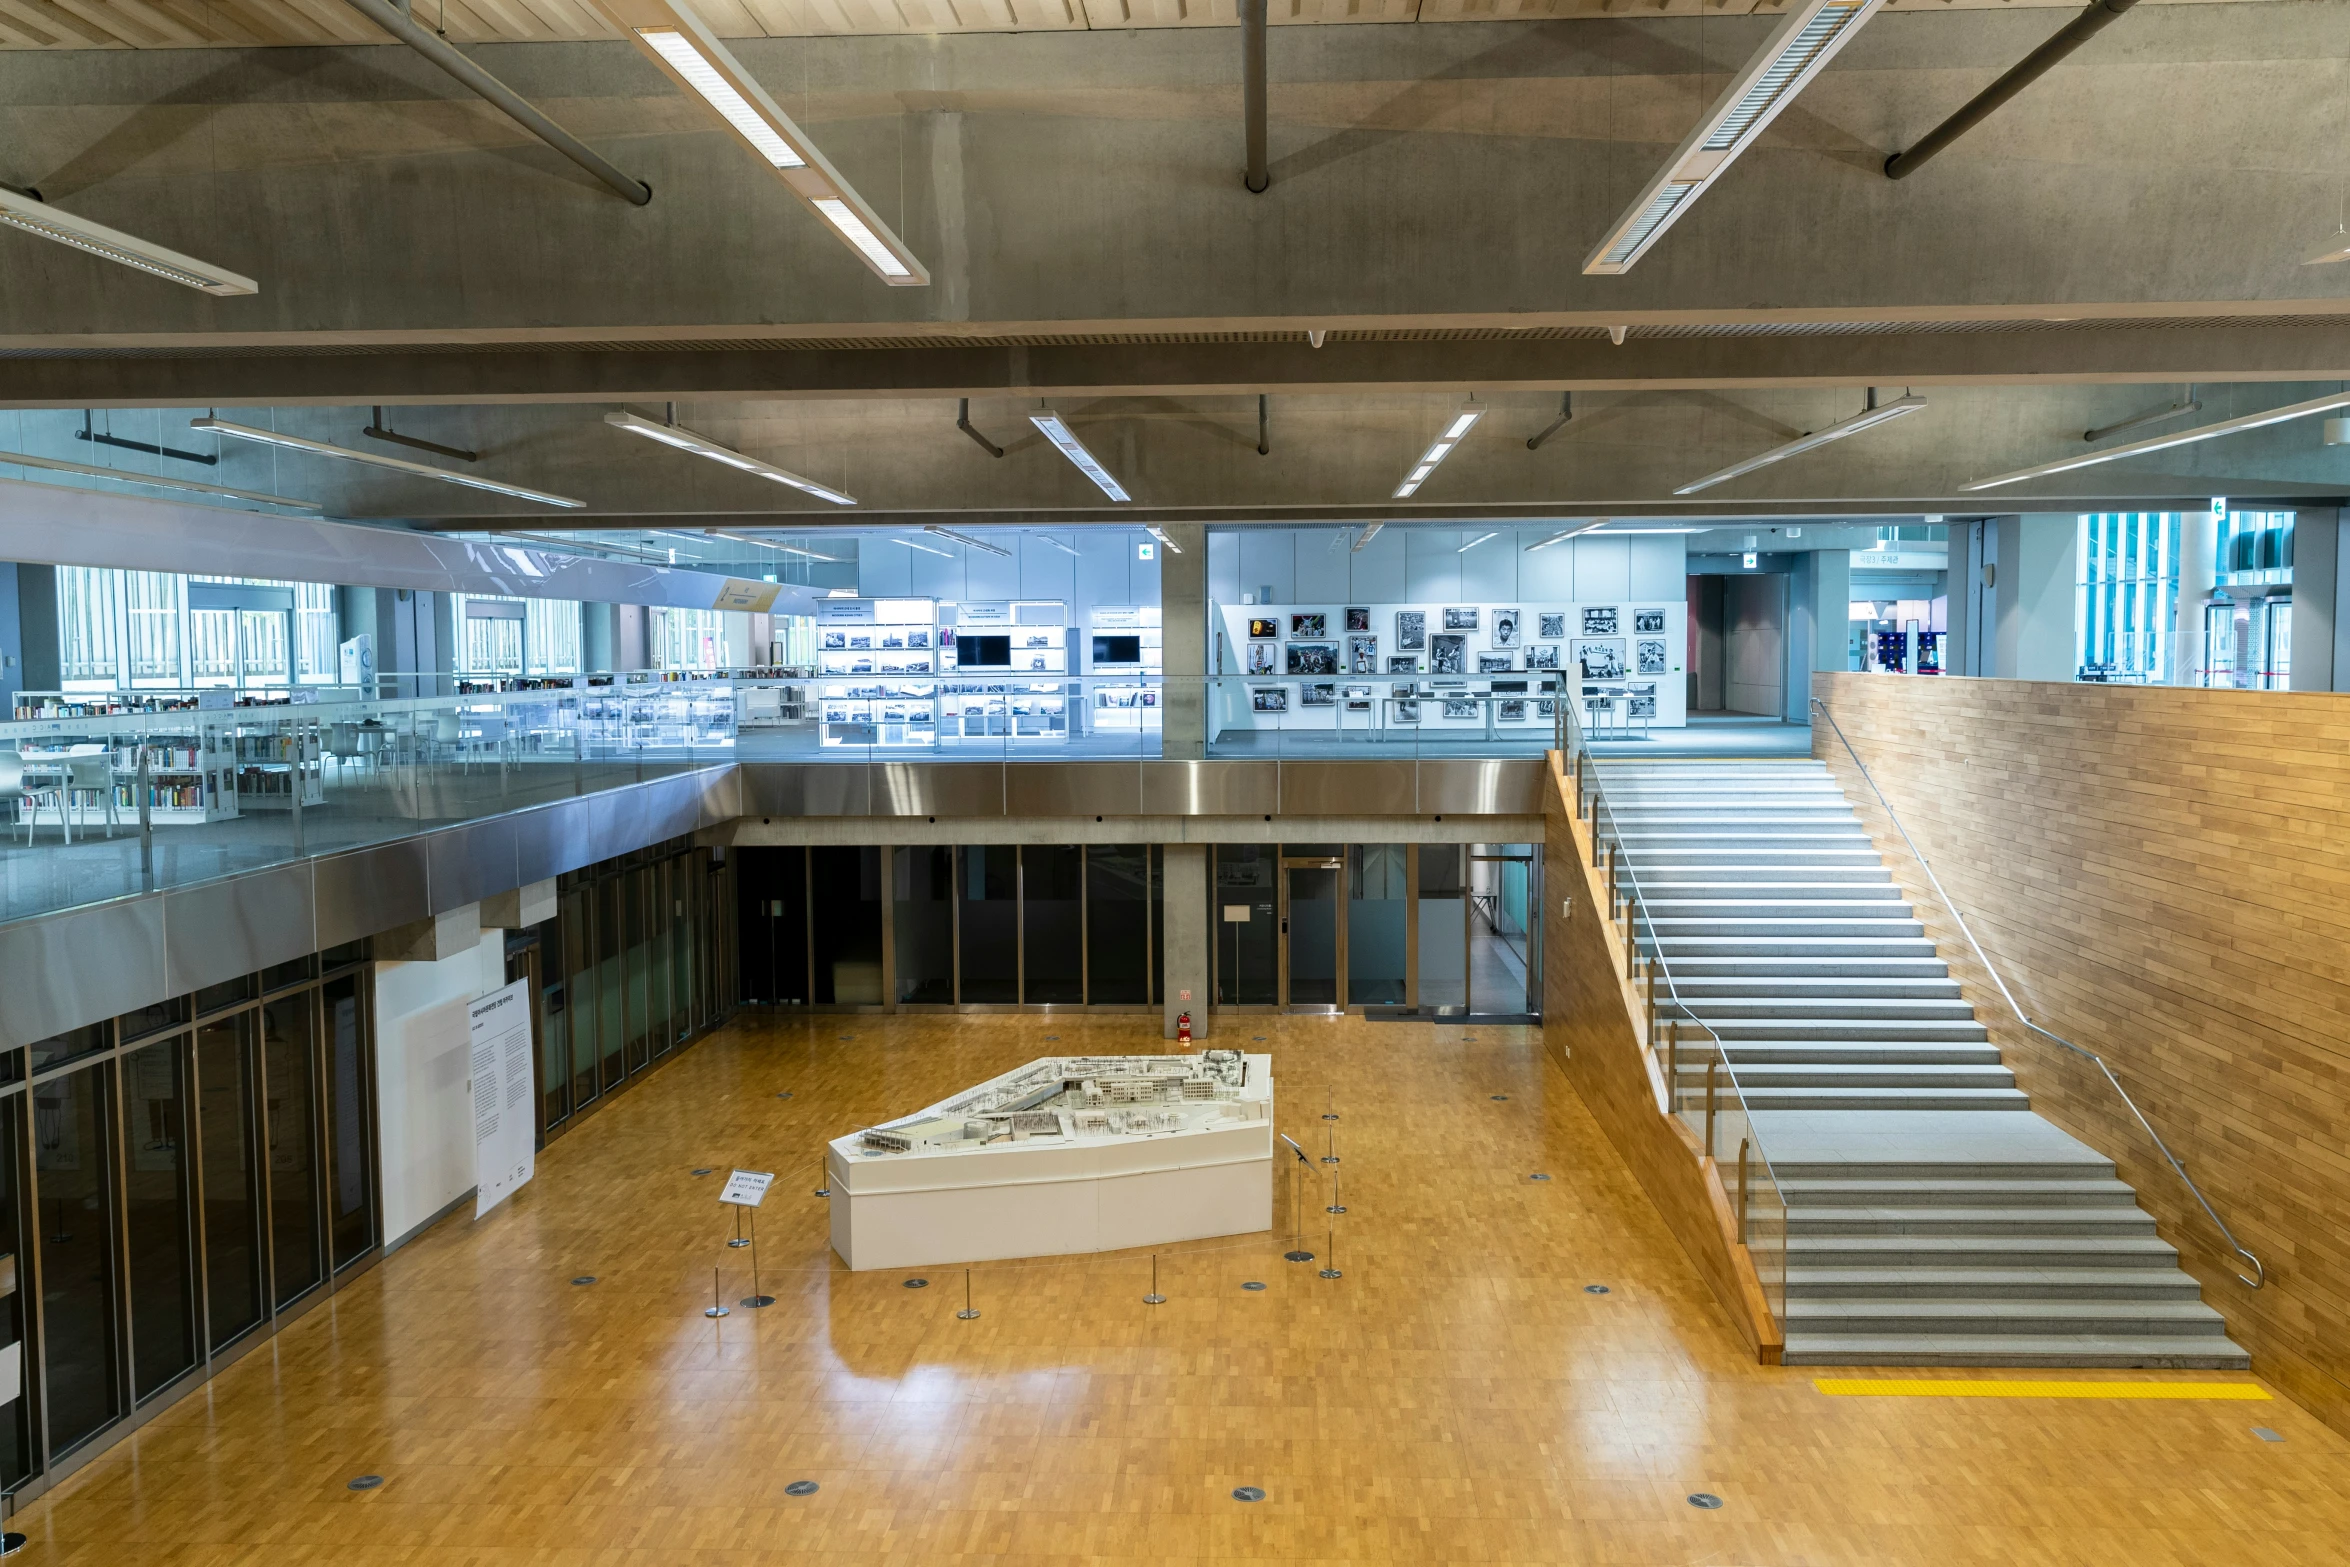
(1570, 729)
(2259, 1270)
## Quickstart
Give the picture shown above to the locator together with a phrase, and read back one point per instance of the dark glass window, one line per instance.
(214, 997)
(285, 974)
(1117, 898)
(70, 1162)
(923, 904)
(660, 1029)
(554, 1030)
(163, 1270)
(579, 989)
(289, 1076)
(685, 920)
(340, 957)
(847, 888)
(632, 886)
(16, 1436)
(151, 1019)
(232, 1176)
(611, 977)
(990, 922)
(1052, 919)
(773, 884)
(347, 1137)
(66, 1046)
(1247, 927)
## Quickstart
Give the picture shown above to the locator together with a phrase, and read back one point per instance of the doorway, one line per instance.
(1738, 644)
(1504, 961)
(1313, 937)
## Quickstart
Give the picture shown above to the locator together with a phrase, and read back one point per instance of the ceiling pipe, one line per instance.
(1566, 412)
(963, 423)
(1264, 447)
(396, 21)
(1252, 91)
(2100, 15)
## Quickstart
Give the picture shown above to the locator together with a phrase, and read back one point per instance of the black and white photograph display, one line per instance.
(1642, 703)
(1505, 628)
(1411, 629)
(1512, 711)
(1362, 654)
(1601, 658)
(1260, 658)
(1317, 693)
(1269, 699)
(1495, 663)
(1543, 655)
(1546, 710)
(835, 641)
(1599, 620)
(1650, 651)
(1402, 664)
(1449, 654)
(1358, 699)
(1552, 626)
(1263, 629)
(1309, 626)
(1404, 710)
(1461, 707)
(1358, 619)
(1312, 658)
(1648, 620)
(1460, 617)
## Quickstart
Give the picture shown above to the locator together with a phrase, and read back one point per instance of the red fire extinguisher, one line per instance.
(1183, 1028)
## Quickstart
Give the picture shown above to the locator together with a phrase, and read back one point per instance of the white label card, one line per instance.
(1236, 914)
(746, 1188)
(503, 1153)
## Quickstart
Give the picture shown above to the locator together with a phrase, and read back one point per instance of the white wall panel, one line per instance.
(423, 1067)
(1325, 566)
(1381, 569)
(1224, 567)
(1489, 573)
(1659, 567)
(1268, 558)
(1544, 574)
(1603, 569)
(1432, 565)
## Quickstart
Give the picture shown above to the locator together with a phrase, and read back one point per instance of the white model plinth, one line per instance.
(1144, 1151)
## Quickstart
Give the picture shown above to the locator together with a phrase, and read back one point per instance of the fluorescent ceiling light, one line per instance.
(1562, 536)
(20, 211)
(1473, 543)
(1369, 531)
(1867, 419)
(295, 443)
(1056, 430)
(574, 547)
(1057, 544)
(686, 441)
(685, 48)
(2335, 249)
(1161, 535)
(1798, 47)
(1439, 449)
(58, 465)
(2315, 405)
(966, 540)
(926, 549)
(770, 544)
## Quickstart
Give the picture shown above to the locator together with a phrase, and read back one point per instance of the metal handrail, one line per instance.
(2026, 1019)
(1571, 729)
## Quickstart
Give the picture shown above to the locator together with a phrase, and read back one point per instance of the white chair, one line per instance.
(12, 784)
(43, 781)
(93, 775)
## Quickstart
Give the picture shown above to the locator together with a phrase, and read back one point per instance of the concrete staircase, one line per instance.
(1933, 1218)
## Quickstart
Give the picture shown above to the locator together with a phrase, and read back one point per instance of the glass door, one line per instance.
(1313, 935)
(1505, 891)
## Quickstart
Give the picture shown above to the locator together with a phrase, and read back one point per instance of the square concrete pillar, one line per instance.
(519, 909)
(2038, 565)
(445, 935)
(1184, 945)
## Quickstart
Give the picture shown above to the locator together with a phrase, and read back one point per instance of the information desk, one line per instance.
(1068, 1154)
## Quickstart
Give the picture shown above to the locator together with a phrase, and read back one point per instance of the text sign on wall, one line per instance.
(746, 1188)
(503, 1156)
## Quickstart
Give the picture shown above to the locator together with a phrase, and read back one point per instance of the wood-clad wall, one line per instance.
(2162, 876)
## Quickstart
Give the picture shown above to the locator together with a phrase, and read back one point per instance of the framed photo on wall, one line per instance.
(1495, 663)
(1552, 625)
(1650, 654)
(1411, 629)
(1260, 658)
(1358, 620)
(1263, 628)
(1319, 693)
(1601, 658)
(1362, 655)
(1448, 654)
(1460, 617)
(1505, 628)
(1313, 658)
(1269, 699)
(1543, 655)
(1599, 620)
(1309, 626)
(1402, 664)
(1406, 710)
(1461, 707)
(1649, 620)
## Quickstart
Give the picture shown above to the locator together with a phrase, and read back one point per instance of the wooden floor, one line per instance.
(1457, 1396)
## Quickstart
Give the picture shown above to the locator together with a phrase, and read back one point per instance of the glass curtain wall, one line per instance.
(623, 974)
(1052, 925)
(2126, 602)
(124, 630)
(171, 1183)
(922, 916)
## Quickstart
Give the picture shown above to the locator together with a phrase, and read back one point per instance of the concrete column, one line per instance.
(2198, 544)
(1183, 639)
(11, 641)
(36, 628)
(2318, 661)
(1828, 610)
(1973, 602)
(2038, 569)
(1184, 945)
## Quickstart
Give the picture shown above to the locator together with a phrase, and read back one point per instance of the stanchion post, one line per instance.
(716, 1308)
(1154, 1298)
(1335, 1205)
(758, 1297)
(966, 1314)
(823, 1178)
(1330, 1256)
(738, 1242)
(1332, 1156)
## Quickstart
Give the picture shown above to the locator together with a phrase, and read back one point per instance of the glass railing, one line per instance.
(1697, 1075)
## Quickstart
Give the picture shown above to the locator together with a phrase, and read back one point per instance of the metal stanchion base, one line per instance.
(1332, 1273)
(715, 1311)
(1336, 1207)
(756, 1301)
(966, 1315)
(1297, 1256)
(736, 1244)
(1329, 1158)
(1154, 1299)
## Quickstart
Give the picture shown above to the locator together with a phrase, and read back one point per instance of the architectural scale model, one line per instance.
(1065, 1154)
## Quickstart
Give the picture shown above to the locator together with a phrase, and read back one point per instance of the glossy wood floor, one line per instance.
(1457, 1396)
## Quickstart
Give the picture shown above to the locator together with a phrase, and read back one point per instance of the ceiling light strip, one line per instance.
(924, 548)
(2207, 432)
(1867, 419)
(966, 540)
(1441, 448)
(295, 443)
(59, 465)
(1160, 534)
(682, 44)
(1795, 52)
(20, 211)
(1368, 532)
(1055, 429)
(686, 440)
(770, 544)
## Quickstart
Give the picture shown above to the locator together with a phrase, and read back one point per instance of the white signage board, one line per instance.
(746, 1188)
(503, 1152)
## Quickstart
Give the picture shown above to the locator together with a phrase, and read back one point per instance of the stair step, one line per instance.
(1819, 1030)
(1980, 1251)
(1784, 929)
(2019, 1220)
(1726, 990)
(1990, 1283)
(1845, 1192)
(1900, 1011)
(1821, 970)
(1970, 1099)
(1886, 1075)
(2179, 1352)
(1845, 1052)
(2100, 1318)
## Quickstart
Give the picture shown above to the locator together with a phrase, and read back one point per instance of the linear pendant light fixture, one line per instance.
(20, 211)
(1364, 535)
(701, 446)
(2315, 405)
(966, 540)
(1473, 543)
(1866, 419)
(1441, 448)
(1169, 544)
(1794, 53)
(682, 44)
(1565, 534)
(295, 443)
(1055, 429)
(770, 544)
(153, 481)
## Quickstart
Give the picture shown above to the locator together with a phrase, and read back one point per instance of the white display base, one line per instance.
(1051, 1197)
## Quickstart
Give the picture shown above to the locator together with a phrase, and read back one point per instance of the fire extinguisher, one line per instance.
(1183, 1028)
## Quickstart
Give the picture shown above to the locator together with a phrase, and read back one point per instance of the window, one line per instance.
(2127, 598)
(89, 627)
(127, 630)
(551, 637)
(688, 638)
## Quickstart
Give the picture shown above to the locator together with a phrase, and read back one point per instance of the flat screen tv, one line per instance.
(1117, 650)
(980, 652)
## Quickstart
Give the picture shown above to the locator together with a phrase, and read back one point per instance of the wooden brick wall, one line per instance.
(2163, 877)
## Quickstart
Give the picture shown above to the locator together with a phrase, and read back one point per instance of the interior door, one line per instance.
(1505, 953)
(1313, 934)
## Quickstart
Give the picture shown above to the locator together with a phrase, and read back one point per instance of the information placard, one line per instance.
(746, 1188)
(503, 1156)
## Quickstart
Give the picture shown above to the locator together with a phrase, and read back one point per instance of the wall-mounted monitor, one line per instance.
(1117, 650)
(982, 652)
